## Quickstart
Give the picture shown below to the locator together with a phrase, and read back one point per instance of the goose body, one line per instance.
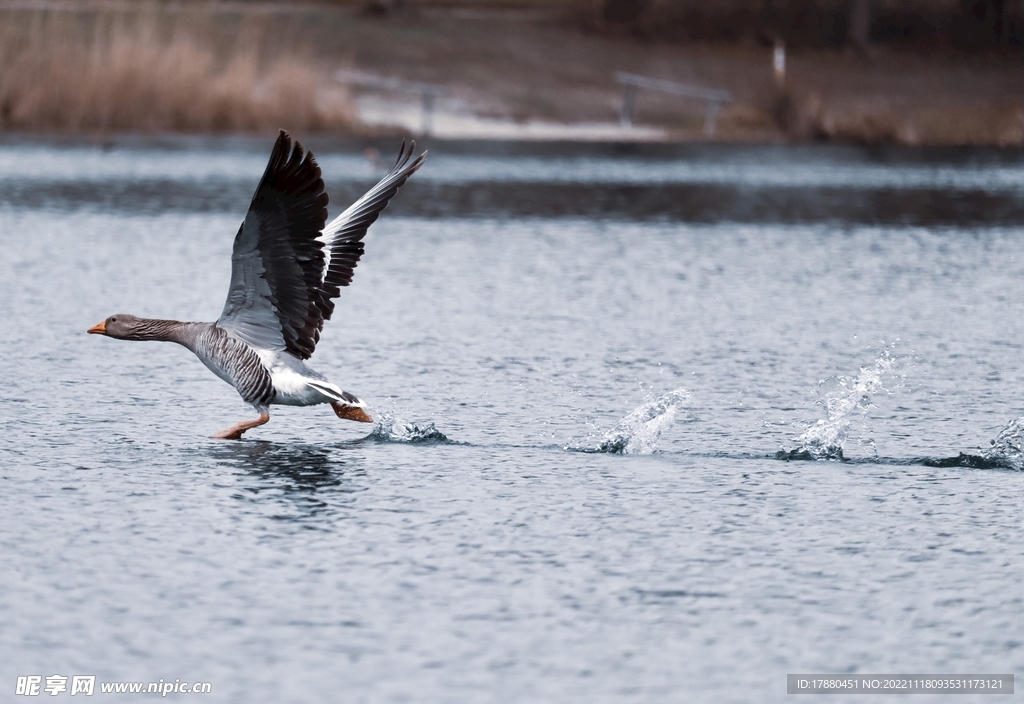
(287, 266)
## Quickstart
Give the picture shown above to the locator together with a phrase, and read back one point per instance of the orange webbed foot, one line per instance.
(351, 413)
(235, 431)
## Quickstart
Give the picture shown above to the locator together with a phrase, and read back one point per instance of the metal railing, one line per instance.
(632, 82)
(428, 92)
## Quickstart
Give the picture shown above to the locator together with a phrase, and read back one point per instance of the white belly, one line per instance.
(292, 389)
(295, 384)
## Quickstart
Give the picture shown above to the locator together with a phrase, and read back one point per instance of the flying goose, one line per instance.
(281, 290)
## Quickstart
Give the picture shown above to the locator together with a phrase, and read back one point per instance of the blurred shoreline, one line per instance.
(99, 68)
(699, 183)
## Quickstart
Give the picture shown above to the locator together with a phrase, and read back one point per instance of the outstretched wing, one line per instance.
(344, 234)
(277, 264)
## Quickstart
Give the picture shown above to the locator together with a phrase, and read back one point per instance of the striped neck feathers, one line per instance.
(130, 327)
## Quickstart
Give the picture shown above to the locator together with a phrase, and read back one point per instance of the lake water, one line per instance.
(586, 362)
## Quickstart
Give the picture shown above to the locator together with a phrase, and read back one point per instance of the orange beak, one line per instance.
(98, 329)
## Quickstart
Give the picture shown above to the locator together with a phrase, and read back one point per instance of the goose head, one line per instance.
(121, 326)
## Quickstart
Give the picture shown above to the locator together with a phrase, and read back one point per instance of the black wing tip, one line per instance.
(282, 147)
(404, 154)
(291, 165)
(290, 150)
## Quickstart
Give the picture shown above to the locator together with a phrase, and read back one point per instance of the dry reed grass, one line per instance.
(886, 119)
(151, 71)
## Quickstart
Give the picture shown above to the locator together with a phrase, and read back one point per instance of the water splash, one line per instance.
(1006, 452)
(843, 397)
(639, 432)
(1007, 449)
(390, 428)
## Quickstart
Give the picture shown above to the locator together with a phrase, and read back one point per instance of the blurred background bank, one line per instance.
(869, 71)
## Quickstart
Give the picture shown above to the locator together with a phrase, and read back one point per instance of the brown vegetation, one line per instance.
(259, 66)
(145, 70)
(902, 97)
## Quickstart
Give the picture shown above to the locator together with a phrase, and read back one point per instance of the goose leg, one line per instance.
(235, 431)
(351, 412)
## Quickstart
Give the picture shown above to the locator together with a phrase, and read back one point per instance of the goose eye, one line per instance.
(113, 319)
